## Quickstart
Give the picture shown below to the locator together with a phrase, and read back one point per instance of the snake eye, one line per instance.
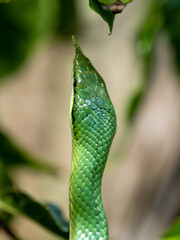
(101, 84)
(100, 81)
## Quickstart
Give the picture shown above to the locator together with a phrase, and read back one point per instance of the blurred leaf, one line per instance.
(7, 229)
(57, 215)
(126, 1)
(5, 217)
(146, 38)
(107, 1)
(171, 238)
(4, 177)
(162, 15)
(174, 232)
(5, 182)
(113, 1)
(22, 25)
(11, 155)
(1, 1)
(67, 18)
(172, 25)
(16, 202)
(103, 11)
(134, 104)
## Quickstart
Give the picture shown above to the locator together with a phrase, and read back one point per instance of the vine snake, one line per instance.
(93, 125)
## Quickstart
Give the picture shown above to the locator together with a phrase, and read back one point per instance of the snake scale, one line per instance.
(93, 125)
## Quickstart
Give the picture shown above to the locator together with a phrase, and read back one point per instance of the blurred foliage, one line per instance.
(107, 1)
(4, 1)
(172, 25)
(58, 216)
(126, 1)
(5, 180)
(134, 103)
(147, 35)
(47, 215)
(174, 232)
(113, 1)
(12, 155)
(67, 18)
(163, 15)
(23, 24)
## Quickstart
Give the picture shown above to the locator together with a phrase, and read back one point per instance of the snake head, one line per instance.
(89, 93)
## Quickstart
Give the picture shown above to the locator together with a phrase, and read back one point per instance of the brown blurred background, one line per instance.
(141, 182)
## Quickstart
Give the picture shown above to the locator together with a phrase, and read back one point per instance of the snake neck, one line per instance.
(88, 219)
(91, 144)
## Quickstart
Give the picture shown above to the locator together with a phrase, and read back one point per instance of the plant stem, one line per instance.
(116, 7)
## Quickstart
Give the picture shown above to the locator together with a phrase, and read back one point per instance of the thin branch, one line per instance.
(116, 7)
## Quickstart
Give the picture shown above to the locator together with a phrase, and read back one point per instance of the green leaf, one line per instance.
(5, 182)
(172, 25)
(174, 231)
(49, 216)
(12, 155)
(1, 1)
(107, 1)
(4, 177)
(22, 25)
(103, 11)
(146, 38)
(113, 1)
(134, 104)
(126, 1)
(57, 215)
(67, 18)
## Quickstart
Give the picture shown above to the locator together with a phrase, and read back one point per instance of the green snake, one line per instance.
(93, 125)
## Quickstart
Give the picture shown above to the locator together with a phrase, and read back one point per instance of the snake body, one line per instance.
(93, 125)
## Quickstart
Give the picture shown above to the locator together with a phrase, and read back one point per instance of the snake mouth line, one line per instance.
(74, 84)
